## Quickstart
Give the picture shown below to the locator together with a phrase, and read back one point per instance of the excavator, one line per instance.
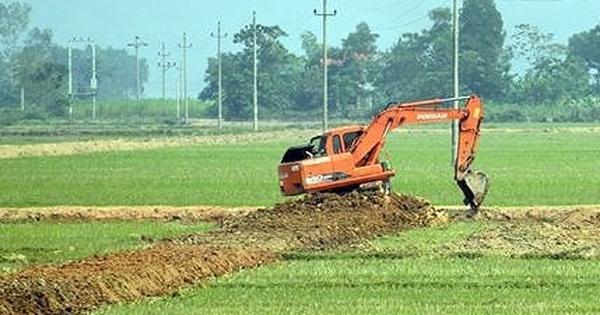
(347, 158)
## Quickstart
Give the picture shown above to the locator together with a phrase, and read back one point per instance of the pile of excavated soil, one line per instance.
(553, 233)
(320, 221)
(79, 286)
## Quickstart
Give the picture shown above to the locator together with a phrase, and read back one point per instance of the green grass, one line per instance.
(62, 131)
(146, 109)
(210, 175)
(407, 276)
(424, 241)
(527, 168)
(392, 286)
(404, 276)
(22, 244)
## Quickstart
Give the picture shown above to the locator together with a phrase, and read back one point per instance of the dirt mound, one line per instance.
(571, 233)
(75, 287)
(319, 221)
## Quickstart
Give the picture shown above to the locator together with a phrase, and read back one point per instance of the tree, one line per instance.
(420, 64)
(115, 71)
(237, 86)
(353, 70)
(586, 46)
(308, 87)
(484, 63)
(276, 69)
(40, 76)
(14, 20)
(552, 75)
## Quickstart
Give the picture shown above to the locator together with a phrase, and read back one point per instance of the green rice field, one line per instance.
(396, 274)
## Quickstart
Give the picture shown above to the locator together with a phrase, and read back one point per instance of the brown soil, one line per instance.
(80, 147)
(567, 232)
(319, 221)
(122, 213)
(75, 287)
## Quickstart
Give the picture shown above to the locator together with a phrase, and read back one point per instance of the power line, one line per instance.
(419, 18)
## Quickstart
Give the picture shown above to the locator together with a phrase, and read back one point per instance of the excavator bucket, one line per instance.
(474, 186)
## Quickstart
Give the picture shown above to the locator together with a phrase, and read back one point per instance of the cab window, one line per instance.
(318, 146)
(350, 137)
(337, 145)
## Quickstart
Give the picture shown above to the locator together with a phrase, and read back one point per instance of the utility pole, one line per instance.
(22, 98)
(324, 14)
(219, 36)
(93, 80)
(185, 47)
(179, 90)
(164, 66)
(70, 67)
(255, 71)
(456, 82)
(137, 44)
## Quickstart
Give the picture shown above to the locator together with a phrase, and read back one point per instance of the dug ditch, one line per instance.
(252, 238)
(316, 222)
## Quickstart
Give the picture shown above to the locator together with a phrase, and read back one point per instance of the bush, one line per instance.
(9, 116)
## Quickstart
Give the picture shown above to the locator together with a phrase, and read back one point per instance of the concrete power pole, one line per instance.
(456, 82)
(93, 81)
(137, 44)
(179, 90)
(70, 67)
(219, 36)
(164, 66)
(185, 47)
(255, 71)
(325, 14)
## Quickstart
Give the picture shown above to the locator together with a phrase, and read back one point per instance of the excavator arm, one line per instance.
(473, 184)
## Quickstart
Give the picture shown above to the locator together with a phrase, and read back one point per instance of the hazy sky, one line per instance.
(116, 23)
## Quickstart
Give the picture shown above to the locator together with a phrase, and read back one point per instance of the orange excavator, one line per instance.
(347, 158)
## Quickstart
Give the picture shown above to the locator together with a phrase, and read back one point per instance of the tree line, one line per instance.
(34, 70)
(558, 82)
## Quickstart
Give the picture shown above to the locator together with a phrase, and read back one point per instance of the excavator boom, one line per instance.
(348, 157)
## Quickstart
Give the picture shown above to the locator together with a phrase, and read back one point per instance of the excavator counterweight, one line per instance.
(347, 158)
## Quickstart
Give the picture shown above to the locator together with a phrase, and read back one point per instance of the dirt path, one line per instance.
(91, 146)
(121, 213)
(81, 147)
